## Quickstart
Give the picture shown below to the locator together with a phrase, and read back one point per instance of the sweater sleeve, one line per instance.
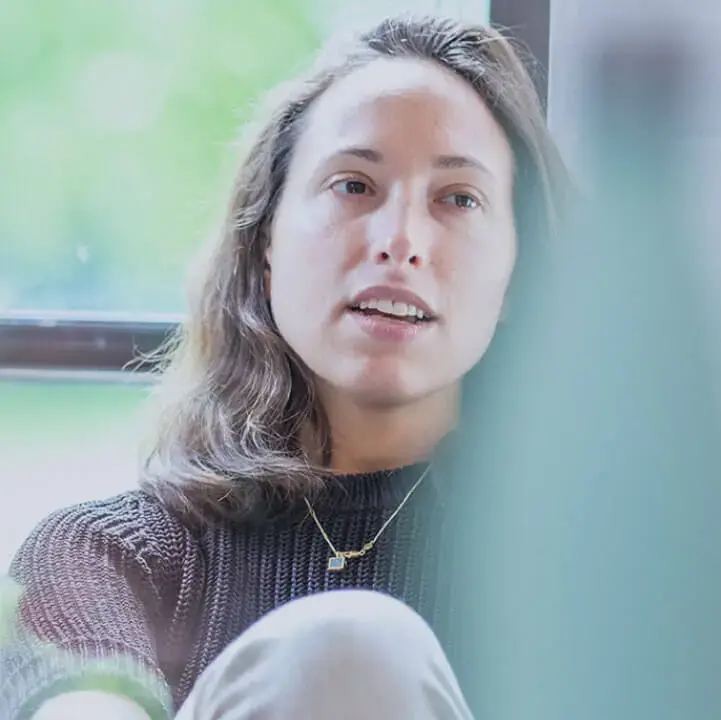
(90, 609)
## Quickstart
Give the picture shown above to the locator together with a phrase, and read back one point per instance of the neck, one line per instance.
(366, 439)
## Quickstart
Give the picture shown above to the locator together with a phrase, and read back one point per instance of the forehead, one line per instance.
(409, 99)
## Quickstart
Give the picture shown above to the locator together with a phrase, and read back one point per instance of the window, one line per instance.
(115, 123)
(61, 443)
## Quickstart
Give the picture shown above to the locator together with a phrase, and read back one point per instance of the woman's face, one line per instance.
(393, 243)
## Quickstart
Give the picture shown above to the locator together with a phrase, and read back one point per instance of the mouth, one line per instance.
(398, 312)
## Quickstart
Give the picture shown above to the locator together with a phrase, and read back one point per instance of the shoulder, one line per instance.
(101, 581)
(130, 530)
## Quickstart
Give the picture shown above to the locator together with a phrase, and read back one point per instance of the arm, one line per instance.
(88, 616)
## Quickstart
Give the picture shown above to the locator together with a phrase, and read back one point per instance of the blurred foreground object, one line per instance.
(595, 514)
(10, 594)
(124, 677)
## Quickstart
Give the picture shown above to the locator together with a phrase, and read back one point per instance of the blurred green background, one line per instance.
(115, 119)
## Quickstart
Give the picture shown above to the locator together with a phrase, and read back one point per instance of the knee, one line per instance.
(360, 649)
(352, 623)
(360, 640)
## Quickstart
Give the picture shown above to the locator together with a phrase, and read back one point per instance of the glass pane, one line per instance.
(115, 119)
(62, 443)
(115, 126)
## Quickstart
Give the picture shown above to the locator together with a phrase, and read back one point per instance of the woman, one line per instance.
(362, 270)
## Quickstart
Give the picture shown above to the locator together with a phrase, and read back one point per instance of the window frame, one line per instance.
(529, 22)
(84, 346)
(33, 345)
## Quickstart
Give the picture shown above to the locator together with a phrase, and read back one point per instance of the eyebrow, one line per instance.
(442, 162)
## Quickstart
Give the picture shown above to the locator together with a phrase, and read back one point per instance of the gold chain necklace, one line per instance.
(337, 560)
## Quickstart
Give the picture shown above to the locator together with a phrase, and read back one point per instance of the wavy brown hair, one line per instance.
(235, 405)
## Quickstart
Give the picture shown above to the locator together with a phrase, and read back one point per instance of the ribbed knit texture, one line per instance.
(125, 581)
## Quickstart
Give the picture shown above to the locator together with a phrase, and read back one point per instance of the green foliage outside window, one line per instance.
(116, 126)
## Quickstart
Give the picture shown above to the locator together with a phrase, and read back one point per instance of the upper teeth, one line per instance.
(399, 309)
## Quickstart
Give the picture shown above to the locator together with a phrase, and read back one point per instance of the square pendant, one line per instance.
(336, 562)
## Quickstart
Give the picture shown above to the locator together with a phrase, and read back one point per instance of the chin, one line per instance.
(379, 396)
(384, 382)
(381, 387)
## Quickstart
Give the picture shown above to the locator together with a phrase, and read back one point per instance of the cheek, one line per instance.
(476, 281)
(294, 300)
(296, 288)
(297, 255)
(480, 269)
(307, 260)
(314, 247)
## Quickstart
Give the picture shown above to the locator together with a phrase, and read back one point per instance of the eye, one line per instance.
(463, 201)
(351, 186)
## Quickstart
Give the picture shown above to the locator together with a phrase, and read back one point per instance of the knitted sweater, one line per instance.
(127, 582)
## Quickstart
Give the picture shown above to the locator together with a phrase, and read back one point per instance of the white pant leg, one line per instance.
(340, 655)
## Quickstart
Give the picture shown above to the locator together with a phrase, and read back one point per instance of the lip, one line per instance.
(395, 294)
(387, 329)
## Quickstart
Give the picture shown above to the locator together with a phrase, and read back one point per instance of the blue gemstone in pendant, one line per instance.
(336, 562)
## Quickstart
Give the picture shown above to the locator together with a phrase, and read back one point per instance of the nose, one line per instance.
(402, 236)
(398, 250)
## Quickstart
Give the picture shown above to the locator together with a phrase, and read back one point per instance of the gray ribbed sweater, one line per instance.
(156, 599)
